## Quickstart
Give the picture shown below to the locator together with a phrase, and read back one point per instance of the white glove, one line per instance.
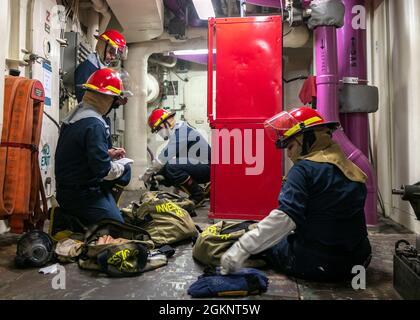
(233, 259)
(147, 175)
(268, 232)
(155, 168)
(116, 171)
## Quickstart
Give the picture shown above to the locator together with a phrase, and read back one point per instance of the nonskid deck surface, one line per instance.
(173, 280)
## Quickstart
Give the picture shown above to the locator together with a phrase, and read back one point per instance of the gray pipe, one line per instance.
(165, 64)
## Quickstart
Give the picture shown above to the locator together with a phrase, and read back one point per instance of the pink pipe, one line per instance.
(267, 3)
(351, 44)
(327, 105)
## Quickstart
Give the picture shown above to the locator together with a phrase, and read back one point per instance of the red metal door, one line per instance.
(248, 69)
(245, 187)
(248, 91)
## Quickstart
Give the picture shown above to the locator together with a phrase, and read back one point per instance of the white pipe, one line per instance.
(93, 28)
(101, 7)
(135, 113)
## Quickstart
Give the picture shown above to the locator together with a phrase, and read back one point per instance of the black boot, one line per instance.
(117, 192)
(194, 190)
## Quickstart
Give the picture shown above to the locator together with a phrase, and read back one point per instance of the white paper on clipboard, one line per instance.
(47, 77)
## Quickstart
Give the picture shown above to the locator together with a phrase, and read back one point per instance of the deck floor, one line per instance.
(172, 281)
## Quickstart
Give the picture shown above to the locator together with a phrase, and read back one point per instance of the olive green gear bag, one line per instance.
(164, 219)
(216, 239)
(117, 260)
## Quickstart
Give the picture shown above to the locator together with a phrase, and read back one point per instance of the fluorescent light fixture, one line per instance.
(204, 9)
(192, 52)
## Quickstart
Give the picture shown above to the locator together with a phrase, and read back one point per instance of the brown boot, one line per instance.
(207, 190)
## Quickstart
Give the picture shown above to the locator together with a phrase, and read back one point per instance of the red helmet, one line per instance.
(157, 117)
(117, 41)
(285, 125)
(105, 81)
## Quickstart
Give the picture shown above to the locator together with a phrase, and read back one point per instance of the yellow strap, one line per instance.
(297, 127)
(90, 86)
(110, 88)
(111, 42)
(161, 119)
(52, 215)
(232, 293)
(113, 89)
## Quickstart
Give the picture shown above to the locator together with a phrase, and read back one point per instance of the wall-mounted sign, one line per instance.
(45, 157)
(47, 71)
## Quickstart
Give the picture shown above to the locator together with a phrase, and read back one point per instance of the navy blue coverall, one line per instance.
(330, 236)
(84, 71)
(187, 154)
(82, 163)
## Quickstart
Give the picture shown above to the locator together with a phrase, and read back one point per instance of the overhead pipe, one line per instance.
(102, 7)
(351, 44)
(163, 63)
(93, 27)
(327, 105)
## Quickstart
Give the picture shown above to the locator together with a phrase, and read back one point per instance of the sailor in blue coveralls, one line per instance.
(111, 47)
(185, 160)
(318, 232)
(83, 165)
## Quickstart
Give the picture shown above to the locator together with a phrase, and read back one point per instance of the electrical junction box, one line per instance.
(75, 53)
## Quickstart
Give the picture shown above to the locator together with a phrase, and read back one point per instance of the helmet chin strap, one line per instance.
(308, 140)
(115, 105)
(104, 55)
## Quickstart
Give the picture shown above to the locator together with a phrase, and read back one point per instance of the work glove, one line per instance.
(268, 232)
(155, 168)
(233, 259)
(147, 175)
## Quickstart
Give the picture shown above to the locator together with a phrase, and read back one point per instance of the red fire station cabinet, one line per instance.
(246, 170)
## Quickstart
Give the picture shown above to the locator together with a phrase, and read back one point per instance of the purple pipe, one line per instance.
(351, 44)
(327, 105)
(266, 3)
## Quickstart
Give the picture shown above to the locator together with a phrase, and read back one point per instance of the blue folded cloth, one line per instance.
(247, 281)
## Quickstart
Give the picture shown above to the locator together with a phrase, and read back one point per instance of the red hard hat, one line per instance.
(117, 42)
(285, 125)
(157, 117)
(105, 81)
(114, 38)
